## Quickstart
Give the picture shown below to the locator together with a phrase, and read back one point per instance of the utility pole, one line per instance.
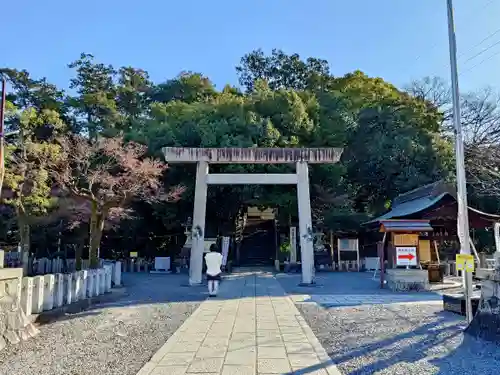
(462, 213)
(2, 135)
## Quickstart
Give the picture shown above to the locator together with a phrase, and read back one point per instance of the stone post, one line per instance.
(198, 232)
(85, 279)
(27, 295)
(97, 283)
(78, 285)
(38, 289)
(59, 279)
(69, 288)
(102, 280)
(107, 272)
(90, 284)
(48, 294)
(117, 274)
(26, 263)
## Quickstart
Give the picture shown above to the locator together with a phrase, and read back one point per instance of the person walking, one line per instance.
(213, 260)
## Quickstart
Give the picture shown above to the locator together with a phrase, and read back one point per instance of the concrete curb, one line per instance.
(76, 307)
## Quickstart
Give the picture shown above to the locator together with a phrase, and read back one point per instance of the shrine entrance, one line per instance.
(301, 157)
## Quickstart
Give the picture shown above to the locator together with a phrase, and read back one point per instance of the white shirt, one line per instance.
(214, 263)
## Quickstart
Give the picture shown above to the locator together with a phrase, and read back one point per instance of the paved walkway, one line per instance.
(252, 327)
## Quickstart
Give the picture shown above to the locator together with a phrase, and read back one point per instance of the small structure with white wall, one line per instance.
(162, 265)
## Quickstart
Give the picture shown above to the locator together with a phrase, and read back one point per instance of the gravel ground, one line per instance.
(392, 339)
(114, 338)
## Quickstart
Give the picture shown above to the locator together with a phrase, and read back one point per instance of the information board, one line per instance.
(348, 244)
(406, 256)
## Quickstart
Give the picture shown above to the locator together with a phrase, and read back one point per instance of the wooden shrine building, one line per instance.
(424, 218)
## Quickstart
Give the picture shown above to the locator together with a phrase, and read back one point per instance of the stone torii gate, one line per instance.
(301, 157)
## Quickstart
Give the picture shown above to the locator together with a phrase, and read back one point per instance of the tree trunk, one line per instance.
(96, 227)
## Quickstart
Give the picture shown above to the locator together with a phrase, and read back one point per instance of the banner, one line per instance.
(293, 244)
(225, 249)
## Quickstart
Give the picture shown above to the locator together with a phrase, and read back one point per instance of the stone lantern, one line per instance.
(186, 249)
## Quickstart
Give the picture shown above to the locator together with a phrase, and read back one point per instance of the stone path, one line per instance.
(252, 327)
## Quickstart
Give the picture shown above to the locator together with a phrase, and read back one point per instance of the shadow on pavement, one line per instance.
(428, 335)
(477, 356)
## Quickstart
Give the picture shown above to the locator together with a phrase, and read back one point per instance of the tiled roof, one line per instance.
(423, 198)
(405, 226)
(409, 208)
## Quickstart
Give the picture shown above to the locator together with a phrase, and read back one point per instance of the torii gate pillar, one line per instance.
(200, 207)
(305, 223)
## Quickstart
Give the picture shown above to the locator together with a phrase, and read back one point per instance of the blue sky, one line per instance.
(398, 40)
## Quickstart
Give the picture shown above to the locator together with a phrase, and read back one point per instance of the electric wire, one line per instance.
(435, 44)
(480, 63)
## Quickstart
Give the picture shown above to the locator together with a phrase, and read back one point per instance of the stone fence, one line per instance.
(22, 296)
(43, 266)
(46, 292)
(372, 264)
(450, 267)
(137, 265)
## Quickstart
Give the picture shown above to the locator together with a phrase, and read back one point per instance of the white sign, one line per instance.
(208, 243)
(406, 256)
(293, 244)
(348, 244)
(225, 249)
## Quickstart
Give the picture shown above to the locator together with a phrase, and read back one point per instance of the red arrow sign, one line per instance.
(406, 256)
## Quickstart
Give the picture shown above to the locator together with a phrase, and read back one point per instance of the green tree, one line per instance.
(94, 106)
(396, 147)
(27, 178)
(187, 87)
(280, 70)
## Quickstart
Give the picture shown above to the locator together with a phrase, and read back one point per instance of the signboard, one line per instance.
(225, 249)
(348, 244)
(405, 239)
(293, 244)
(406, 256)
(465, 262)
(134, 254)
